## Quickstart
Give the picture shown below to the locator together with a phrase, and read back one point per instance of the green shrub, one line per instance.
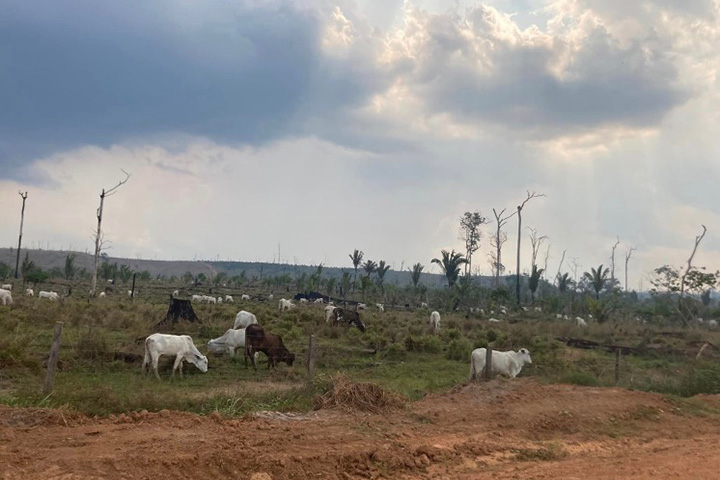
(458, 349)
(92, 345)
(586, 379)
(424, 343)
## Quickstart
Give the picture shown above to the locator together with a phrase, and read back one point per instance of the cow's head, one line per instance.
(524, 355)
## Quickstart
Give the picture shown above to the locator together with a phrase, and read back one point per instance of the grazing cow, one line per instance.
(285, 305)
(493, 320)
(330, 313)
(270, 297)
(380, 307)
(435, 320)
(347, 316)
(244, 319)
(181, 346)
(210, 299)
(580, 322)
(503, 363)
(558, 316)
(258, 340)
(49, 295)
(219, 300)
(101, 295)
(197, 298)
(6, 286)
(318, 300)
(229, 299)
(228, 343)
(6, 297)
(423, 305)
(245, 296)
(538, 309)
(30, 292)
(176, 293)
(303, 300)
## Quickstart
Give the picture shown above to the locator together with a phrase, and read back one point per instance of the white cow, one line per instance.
(503, 363)
(219, 300)
(285, 305)
(580, 322)
(210, 299)
(245, 296)
(30, 292)
(181, 346)
(493, 320)
(423, 305)
(435, 320)
(228, 343)
(712, 323)
(319, 300)
(7, 286)
(380, 307)
(176, 293)
(6, 297)
(558, 316)
(329, 313)
(270, 297)
(303, 300)
(101, 295)
(197, 298)
(243, 319)
(49, 295)
(229, 299)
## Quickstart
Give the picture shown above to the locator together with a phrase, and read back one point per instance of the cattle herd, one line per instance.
(253, 338)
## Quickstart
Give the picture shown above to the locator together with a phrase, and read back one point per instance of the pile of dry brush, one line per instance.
(366, 397)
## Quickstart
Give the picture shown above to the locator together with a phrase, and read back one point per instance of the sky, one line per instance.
(298, 131)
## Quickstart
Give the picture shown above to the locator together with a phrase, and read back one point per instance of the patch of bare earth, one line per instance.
(498, 430)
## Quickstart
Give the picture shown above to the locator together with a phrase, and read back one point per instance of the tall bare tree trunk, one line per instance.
(627, 260)
(98, 234)
(612, 264)
(22, 220)
(530, 196)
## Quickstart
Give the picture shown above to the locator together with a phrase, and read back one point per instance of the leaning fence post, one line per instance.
(617, 365)
(52, 360)
(488, 363)
(311, 358)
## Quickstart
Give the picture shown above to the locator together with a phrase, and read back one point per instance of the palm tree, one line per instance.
(564, 281)
(370, 267)
(534, 281)
(450, 265)
(356, 258)
(416, 271)
(597, 279)
(382, 269)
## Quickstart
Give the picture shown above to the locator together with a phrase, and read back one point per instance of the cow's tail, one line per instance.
(146, 359)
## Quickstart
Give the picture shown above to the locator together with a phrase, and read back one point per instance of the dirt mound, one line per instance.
(365, 397)
(504, 429)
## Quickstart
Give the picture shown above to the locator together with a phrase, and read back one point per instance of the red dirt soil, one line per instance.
(503, 429)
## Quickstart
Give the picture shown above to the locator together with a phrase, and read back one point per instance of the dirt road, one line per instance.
(500, 430)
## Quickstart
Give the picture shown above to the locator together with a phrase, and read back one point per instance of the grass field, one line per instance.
(398, 351)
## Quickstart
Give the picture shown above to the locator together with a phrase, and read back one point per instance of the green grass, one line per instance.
(398, 352)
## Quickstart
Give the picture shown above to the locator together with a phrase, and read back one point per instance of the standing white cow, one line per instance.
(243, 319)
(30, 292)
(245, 296)
(6, 286)
(380, 307)
(285, 305)
(181, 346)
(6, 297)
(49, 295)
(229, 299)
(503, 363)
(435, 320)
(329, 313)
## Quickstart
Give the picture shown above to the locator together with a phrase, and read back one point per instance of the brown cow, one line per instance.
(258, 340)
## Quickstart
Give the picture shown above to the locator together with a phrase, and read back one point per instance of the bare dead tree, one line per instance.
(535, 242)
(497, 242)
(530, 196)
(547, 257)
(698, 239)
(612, 263)
(98, 234)
(575, 266)
(22, 220)
(628, 254)
(562, 259)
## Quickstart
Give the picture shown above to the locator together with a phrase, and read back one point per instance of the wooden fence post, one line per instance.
(488, 363)
(132, 290)
(312, 350)
(52, 360)
(617, 365)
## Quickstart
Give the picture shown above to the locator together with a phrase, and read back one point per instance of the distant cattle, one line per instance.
(343, 315)
(285, 305)
(6, 297)
(6, 286)
(245, 296)
(229, 299)
(49, 295)
(30, 292)
(435, 320)
(259, 340)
